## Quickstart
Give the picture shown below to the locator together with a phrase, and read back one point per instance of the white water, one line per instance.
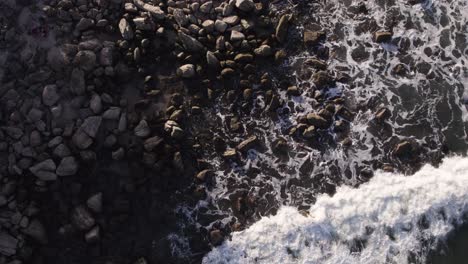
(388, 202)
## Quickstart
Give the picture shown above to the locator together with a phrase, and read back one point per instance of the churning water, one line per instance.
(421, 76)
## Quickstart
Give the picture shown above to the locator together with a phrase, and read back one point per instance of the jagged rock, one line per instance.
(119, 154)
(67, 167)
(142, 129)
(37, 231)
(220, 26)
(186, 71)
(245, 5)
(206, 7)
(84, 24)
(248, 143)
(93, 235)
(212, 60)
(125, 29)
(77, 81)
(91, 125)
(383, 36)
(62, 151)
(44, 170)
(231, 20)
(95, 202)
(50, 95)
(81, 139)
(190, 43)
(155, 11)
(313, 37)
(180, 17)
(317, 121)
(237, 36)
(282, 28)
(208, 25)
(82, 218)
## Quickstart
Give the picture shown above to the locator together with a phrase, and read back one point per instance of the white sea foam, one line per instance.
(392, 215)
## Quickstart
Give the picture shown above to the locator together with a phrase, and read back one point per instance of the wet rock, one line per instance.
(382, 36)
(125, 29)
(230, 154)
(37, 231)
(309, 132)
(293, 91)
(245, 5)
(382, 114)
(82, 218)
(142, 129)
(315, 63)
(322, 79)
(190, 43)
(205, 175)
(248, 143)
(216, 237)
(44, 170)
(95, 202)
(8, 244)
(50, 95)
(67, 167)
(317, 121)
(360, 53)
(263, 51)
(403, 149)
(282, 28)
(312, 38)
(186, 71)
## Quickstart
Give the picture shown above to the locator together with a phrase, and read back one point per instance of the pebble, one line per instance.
(50, 95)
(68, 166)
(186, 71)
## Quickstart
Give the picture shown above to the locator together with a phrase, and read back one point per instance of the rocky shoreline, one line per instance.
(106, 120)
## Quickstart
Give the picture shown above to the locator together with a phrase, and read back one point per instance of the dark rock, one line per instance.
(403, 149)
(282, 28)
(84, 24)
(50, 95)
(383, 114)
(245, 5)
(93, 235)
(67, 167)
(8, 244)
(383, 36)
(317, 121)
(91, 125)
(77, 81)
(216, 237)
(152, 143)
(37, 231)
(248, 143)
(313, 38)
(95, 202)
(205, 175)
(190, 43)
(142, 129)
(44, 170)
(82, 218)
(155, 11)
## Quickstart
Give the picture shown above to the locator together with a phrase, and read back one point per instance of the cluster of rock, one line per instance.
(65, 110)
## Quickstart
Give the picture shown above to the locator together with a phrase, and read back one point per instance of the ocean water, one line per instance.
(325, 202)
(393, 218)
